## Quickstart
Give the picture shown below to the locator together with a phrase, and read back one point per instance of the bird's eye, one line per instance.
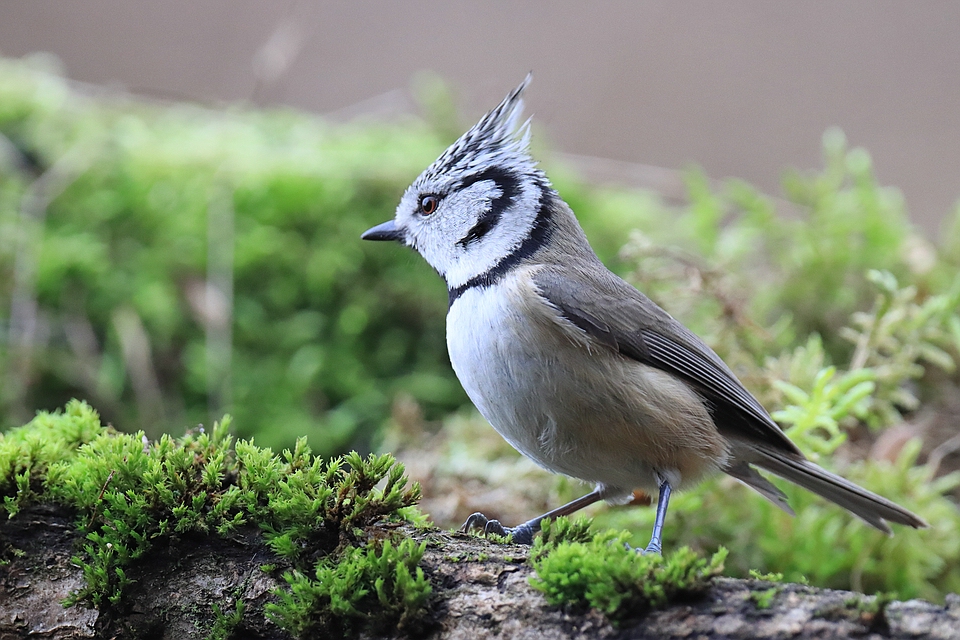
(429, 204)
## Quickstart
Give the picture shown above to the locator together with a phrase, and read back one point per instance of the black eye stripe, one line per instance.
(509, 185)
(539, 235)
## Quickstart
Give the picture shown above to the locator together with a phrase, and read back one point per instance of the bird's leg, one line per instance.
(523, 533)
(662, 502)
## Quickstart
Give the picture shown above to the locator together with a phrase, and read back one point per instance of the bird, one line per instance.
(574, 367)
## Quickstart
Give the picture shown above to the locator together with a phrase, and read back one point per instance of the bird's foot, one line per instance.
(652, 548)
(522, 534)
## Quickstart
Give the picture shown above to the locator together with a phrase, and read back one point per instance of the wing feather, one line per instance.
(618, 316)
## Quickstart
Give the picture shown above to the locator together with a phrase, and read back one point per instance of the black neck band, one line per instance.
(539, 235)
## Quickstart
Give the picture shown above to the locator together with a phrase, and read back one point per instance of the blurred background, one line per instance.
(743, 88)
(183, 185)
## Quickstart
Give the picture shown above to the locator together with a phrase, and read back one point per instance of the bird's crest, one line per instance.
(499, 138)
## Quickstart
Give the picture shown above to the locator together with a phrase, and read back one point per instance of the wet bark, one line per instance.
(480, 591)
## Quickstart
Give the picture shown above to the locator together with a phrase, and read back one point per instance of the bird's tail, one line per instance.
(871, 508)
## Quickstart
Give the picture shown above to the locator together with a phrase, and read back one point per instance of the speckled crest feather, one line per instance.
(498, 139)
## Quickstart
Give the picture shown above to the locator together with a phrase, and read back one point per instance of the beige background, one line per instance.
(743, 88)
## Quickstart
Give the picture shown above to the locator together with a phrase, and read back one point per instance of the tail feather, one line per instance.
(868, 506)
(749, 476)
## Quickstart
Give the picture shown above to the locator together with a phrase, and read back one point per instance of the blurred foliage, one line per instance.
(170, 263)
(143, 203)
(764, 274)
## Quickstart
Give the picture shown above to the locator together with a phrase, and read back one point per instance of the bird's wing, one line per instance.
(618, 316)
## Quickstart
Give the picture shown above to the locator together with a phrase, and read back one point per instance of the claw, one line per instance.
(494, 526)
(522, 534)
(474, 521)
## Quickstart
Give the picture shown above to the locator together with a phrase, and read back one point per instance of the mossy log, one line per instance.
(481, 590)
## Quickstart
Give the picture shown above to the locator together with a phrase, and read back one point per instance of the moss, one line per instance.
(319, 516)
(766, 577)
(563, 530)
(226, 624)
(468, 557)
(27, 453)
(763, 599)
(869, 611)
(375, 588)
(606, 574)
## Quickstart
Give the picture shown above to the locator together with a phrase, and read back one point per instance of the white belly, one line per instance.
(573, 408)
(499, 365)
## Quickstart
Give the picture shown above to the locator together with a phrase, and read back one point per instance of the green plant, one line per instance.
(605, 574)
(308, 507)
(765, 577)
(757, 276)
(225, 624)
(829, 401)
(26, 453)
(763, 599)
(130, 494)
(897, 337)
(563, 529)
(375, 589)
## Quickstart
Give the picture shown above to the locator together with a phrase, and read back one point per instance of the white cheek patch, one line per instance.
(491, 190)
(475, 258)
(435, 236)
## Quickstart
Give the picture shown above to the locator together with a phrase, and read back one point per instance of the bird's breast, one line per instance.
(570, 404)
(497, 356)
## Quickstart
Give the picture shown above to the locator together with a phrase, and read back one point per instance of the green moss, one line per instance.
(225, 624)
(606, 574)
(468, 557)
(555, 532)
(375, 588)
(869, 611)
(26, 453)
(318, 515)
(763, 599)
(871, 606)
(766, 577)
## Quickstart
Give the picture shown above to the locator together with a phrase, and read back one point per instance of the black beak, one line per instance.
(385, 231)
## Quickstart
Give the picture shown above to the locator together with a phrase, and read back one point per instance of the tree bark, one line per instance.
(481, 590)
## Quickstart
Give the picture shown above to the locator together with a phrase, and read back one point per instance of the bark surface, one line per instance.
(481, 590)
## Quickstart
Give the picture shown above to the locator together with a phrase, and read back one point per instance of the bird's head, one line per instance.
(478, 202)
